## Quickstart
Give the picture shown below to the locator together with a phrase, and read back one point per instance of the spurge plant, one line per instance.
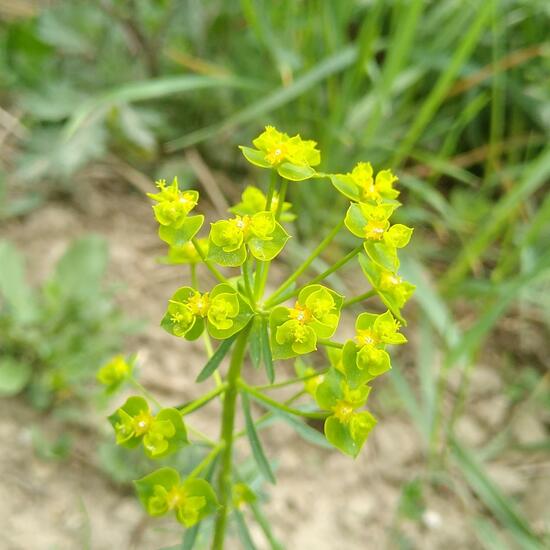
(293, 321)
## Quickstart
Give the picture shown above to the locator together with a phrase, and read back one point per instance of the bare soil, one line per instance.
(322, 501)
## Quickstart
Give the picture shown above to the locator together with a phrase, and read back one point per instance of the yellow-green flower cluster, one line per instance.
(292, 157)
(160, 434)
(163, 491)
(114, 373)
(222, 311)
(172, 210)
(260, 234)
(295, 330)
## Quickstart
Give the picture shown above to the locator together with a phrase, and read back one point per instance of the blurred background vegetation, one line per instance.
(452, 94)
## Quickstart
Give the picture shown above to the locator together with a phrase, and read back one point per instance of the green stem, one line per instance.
(291, 381)
(146, 393)
(281, 202)
(262, 269)
(194, 280)
(359, 298)
(340, 263)
(247, 283)
(227, 436)
(269, 414)
(273, 403)
(322, 245)
(201, 401)
(205, 461)
(207, 263)
(271, 190)
(206, 440)
(343, 261)
(330, 344)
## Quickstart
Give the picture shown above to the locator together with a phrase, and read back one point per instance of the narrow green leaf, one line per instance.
(244, 533)
(214, 361)
(304, 430)
(266, 351)
(146, 90)
(255, 342)
(190, 537)
(255, 444)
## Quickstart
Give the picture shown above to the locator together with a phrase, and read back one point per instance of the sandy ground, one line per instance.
(322, 501)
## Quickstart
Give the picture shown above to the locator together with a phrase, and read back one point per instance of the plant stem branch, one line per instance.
(359, 298)
(205, 461)
(146, 393)
(207, 263)
(273, 403)
(262, 269)
(269, 414)
(322, 245)
(227, 436)
(330, 344)
(281, 199)
(247, 283)
(291, 381)
(201, 401)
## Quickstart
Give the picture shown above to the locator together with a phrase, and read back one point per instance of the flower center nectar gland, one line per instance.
(175, 497)
(300, 313)
(366, 337)
(374, 230)
(242, 223)
(199, 304)
(277, 155)
(142, 422)
(343, 411)
(390, 279)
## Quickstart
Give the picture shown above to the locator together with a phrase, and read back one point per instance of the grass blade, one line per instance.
(283, 95)
(148, 90)
(535, 176)
(443, 84)
(500, 506)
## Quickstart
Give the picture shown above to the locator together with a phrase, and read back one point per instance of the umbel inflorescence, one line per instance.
(294, 321)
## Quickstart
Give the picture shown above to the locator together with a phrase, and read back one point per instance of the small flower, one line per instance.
(163, 491)
(173, 205)
(279, 147)
(254, 201)
(347, 428)
(360, 185)
(172, 210)
(292, 157)
(377, 330)
(230, 240)
(185, 254)
(134, 423)
(222, 311)
(114, 373)
(381, 240)
(395, 287)
(315, 315)
(390, 287)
